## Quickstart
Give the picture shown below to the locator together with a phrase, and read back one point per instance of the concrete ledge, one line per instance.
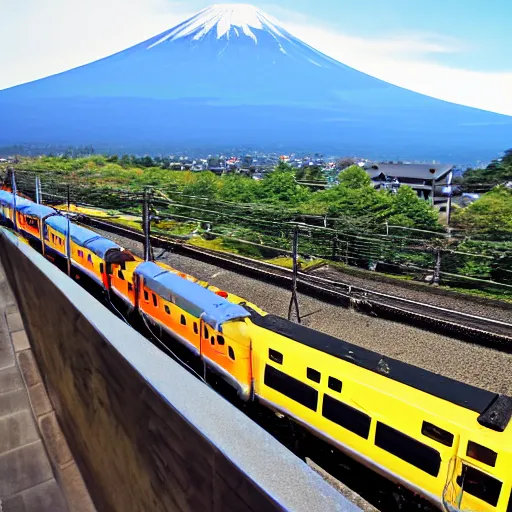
(145, 433)
(26, 419)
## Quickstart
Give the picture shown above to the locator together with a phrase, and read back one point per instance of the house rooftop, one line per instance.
(416, 171)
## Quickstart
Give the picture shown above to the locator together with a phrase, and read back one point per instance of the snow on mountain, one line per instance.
(231, 75)
(226, 19)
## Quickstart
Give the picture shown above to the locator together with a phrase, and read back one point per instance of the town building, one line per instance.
(430, 181)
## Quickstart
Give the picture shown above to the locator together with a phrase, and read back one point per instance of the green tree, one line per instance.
(125, 161)
(240, 189)
(300, 174)
(491, 215)
(354, 177)
(496, 173)
(203, 184)
(353, 199)
(280, 186)
(407, 209)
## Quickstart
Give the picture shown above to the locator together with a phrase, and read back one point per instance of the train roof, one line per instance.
(495, 410)
(8, 199)
(4, 194)
(82, 236)
(100, 246)
(35, 210)
(215, 309)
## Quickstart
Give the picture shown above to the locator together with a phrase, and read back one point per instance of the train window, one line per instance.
(406, 448)
(478, 452)
(313, 375)
(347, 417)
(231, 353)
(195, 328)
(120, 275)
(220, 340)
(335, 384)
(167, 310)
(146, 296)
(206, 335)
(212, 340)
(80, 254)
(437, 433)
(290, 387)
(101, 268)
(275, 356)
(183, 320)
(130, 287)
(89, 258)
(155, 300)
(480, 485)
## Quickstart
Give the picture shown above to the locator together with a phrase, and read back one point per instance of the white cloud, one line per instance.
(408, 60)
(43, 37)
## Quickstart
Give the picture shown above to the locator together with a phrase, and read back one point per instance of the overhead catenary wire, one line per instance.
(355, 246)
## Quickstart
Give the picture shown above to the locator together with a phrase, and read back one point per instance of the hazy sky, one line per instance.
(457, 50)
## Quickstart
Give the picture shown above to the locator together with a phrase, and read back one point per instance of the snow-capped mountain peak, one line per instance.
(229, 20)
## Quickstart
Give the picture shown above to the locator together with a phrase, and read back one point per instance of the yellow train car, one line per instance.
(89, 252)
(8, 205)
(121, 275)
(30, 221)
(208, 325)
(448, 441)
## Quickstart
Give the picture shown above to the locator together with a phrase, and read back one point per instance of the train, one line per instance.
(443, 439)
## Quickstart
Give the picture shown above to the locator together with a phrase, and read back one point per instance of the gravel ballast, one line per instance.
(480, 366)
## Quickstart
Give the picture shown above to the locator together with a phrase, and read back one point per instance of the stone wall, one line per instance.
(146, 434)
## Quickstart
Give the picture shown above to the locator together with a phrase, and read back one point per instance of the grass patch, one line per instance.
(175, 228)
(92, 212)
(287, 262)
(128, 223)
(217, 244)
(504, 296)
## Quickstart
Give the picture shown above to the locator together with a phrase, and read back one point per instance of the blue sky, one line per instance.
(482, 28)
(458, 50)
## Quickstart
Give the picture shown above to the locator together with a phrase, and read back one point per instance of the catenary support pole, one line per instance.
(68, 233)
(437, 269)
(295, 255)
(14, 196)
(38, 188)
(146, 222)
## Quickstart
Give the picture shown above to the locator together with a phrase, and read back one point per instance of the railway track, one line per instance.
(469, 327)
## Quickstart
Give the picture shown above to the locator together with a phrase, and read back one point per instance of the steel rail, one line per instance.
(478, 329)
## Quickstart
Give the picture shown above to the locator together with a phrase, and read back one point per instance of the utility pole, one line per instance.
(38, 190)
(437, 269)
(295, 256)
(14, 194)
(68, 234)
(449, 202)
(146, 223)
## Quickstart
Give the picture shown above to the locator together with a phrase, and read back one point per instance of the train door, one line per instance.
(469, 488)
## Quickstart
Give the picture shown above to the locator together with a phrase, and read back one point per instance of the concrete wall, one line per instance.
(146, 434)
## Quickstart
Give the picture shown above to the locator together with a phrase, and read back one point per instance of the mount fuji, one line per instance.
(231, 76)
